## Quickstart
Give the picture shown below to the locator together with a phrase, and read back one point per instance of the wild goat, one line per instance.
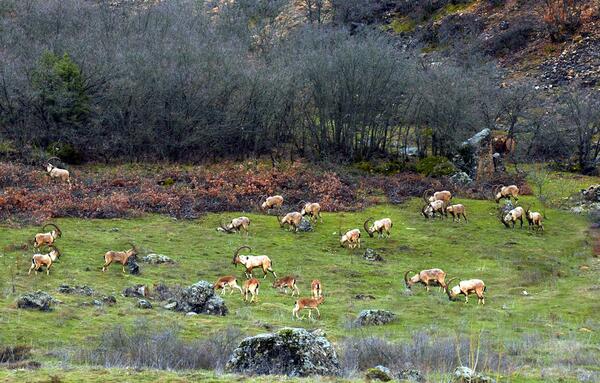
(313, 210)
(250, 287)
(47, 238)
(58, 173)
(512, 216)
(443, 195)
(227, 281)
(456, 211)
(465, 288)
(380, 226)
(506, 192)
(39, 260)
(285, 283)
(430, 277)
(121, 257)
(236, 224)
(253, 261)
(272, 202)
(316, 288)
(292, 220)
(351, 239)
(534, 219)
(307, 304)
(437, 206)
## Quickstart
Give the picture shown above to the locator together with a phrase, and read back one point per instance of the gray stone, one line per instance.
(374, 317)
(293, 352)
(464, 374)
(379, 373)
(461, 178)
(305, 225)
(38, 300)
(144, 304)
(170, 306)
(410, 375)
(191, 314)
(477, 138)
(134, 268)
(81, 290)
(201, 299)
(109, 300)
(372, 255)
(137, 291)
(157, 259)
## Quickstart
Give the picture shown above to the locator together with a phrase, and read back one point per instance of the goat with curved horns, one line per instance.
(429, 277)
(380, 226)
(313, 210)
(506, 192)
(253, 261)
(227, 281)
(235, 225)
(443, 195)
(58, 173)
(437, 206)
(351, 239)
(470, 286)
(272, 202)
(39, 260)
(292, 220)
(121, 257)
(47, 238)
(512, 216)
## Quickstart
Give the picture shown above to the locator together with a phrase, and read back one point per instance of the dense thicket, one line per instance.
(184, 81)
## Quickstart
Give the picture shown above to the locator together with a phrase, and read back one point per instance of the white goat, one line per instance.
(253, 261)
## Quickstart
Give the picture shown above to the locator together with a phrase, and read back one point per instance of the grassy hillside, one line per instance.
(560, 305)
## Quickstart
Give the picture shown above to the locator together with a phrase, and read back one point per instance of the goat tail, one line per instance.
(484, 288)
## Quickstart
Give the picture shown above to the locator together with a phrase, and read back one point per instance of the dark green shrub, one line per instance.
(66, 152)
(435, 166)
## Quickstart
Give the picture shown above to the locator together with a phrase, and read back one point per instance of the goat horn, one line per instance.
(447, 285)
(132, 245)
(367, 227)
(55, 226)
(425, 195)
(55, 249)
(406, 277)
(224, 227)
(236, 253)
(48, 160)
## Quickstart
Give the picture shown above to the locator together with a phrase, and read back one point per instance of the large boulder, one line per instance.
(305, 225)
(374, 317)
(201, 299)
(38, 300)
(473, 154)
(464, 374)
(290, 351)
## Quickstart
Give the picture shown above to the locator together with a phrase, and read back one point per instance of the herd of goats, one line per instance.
(436, 204)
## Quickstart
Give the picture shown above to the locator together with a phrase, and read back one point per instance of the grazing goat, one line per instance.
(39, 260)
(285, 283)
(437, 206)
(253, 261)
(456, 211)
(47, 238)
(236, 224)
(380, 226)
(121, 257)
(250, 287)
(512, 216)
(313, 210)
(307, 304)
(58, 173)
(506, 192)
(272, 202)
(351, 239)
(316, 288)
(443, 195)
(227, 281)
(465, 288)
(292, 220)
(534, 219)
(430, 277)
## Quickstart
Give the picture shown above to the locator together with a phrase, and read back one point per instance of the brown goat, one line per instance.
(437, 206)
(471, 286)
(443, 195)
(534, 219)
(380, 226)
(351, 239)
(313, 210)
(250, 287)
(121, 257)
(272, 202)
(285, 283)
(236, 225)
(512, 217)
(39, 260)
(316, 288)
(227, 281)
(506, 192)
(430, 277)
(47, 238)
(252, 261)
(456, 211)
(307, 304)
(292, 220)
(58, 173)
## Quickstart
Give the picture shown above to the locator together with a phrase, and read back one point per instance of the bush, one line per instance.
(435, 166)
(514, 38)
(66, 152)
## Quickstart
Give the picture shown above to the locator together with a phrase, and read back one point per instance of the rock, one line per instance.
(374, 317)
(504, 25)
(109, 300)
(380, 373)
(461, 178)
(478, 138)
(114, 230)
(97, 303)
(144, 304)
(137, 291)
(191, 314)
(156, 259)
(38, 300)
(410, 375)
(134, 268)
(464, 374)
(201, 299)
(81, 290)
(372, 255)
(364, 297)
(305, 225)
(170, 306)
(473, 154)
(294, 352)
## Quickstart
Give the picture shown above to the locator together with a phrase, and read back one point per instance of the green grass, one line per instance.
(449, 9)
(401, 25)
(559, 305)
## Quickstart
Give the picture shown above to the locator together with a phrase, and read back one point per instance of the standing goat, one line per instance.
(235, 225)
(512, 216)
(471, 286)
(250, 287)
(430, 277)
(443, 195)
(252, 261)
(227, 281)
(47, 238)
(285, 283)
(307, 304)
(313, 210)
(380, 226)
(292, 220)
(351, 239)
(121, 257)
(39, 260)
(272, 202)
(506, 192)
(437, 206)
(316, 288)
(534, 219)
(456, 211)
(58, 173)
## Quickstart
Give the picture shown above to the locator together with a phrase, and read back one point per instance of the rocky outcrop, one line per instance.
(289, 351)
(464, 374)
(38, 300)
(199, 298)
(579, 62)
(410, 375)
(79, 290)
(374, 317)
(379, 373)
(156, 259)
(305, 225)
(372, 256)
